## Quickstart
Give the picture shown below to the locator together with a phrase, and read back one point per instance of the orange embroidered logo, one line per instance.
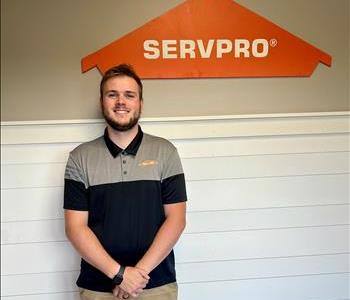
(148, 162)
(210, 38)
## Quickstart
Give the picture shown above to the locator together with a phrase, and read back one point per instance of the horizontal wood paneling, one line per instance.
(262, 268)
(321, 287)
(31, 204)
(233, 220)
(28, 284)
(51, 175)
(182, 128)
(44, 257)
(60, 256)
(263, 243)
(58, 153)
(23, 204)
(193, 272)
(51, 296)
(267, 211)
(266, 218)
(36, 153)
(266, 165)
(33, 231)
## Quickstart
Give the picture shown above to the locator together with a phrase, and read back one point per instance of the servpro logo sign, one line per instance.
(173, 49)
(210, 38)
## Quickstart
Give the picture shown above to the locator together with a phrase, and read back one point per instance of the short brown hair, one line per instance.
(121, 70)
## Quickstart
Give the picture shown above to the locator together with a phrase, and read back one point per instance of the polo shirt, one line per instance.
(124, 192)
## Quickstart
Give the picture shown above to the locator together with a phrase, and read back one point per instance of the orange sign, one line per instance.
(210, 38)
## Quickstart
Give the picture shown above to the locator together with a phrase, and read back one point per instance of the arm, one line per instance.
(87, 244)
(90, 248)
(166, 238)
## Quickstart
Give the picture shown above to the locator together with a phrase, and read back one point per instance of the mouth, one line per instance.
(120, 111)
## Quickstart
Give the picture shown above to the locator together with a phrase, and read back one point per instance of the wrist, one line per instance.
(118, 278)
(144, 268)
(113, 270)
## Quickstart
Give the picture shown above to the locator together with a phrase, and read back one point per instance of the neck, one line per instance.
(122, 138)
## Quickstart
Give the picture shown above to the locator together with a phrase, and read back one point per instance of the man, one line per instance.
(125, 201)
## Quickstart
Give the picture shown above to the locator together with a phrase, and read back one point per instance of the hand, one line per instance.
(119, 293)
(135, 280)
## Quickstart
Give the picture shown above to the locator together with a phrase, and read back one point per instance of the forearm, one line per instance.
(89, 247)
(165, 240)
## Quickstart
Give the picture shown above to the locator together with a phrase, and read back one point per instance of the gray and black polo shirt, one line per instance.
(124, 192)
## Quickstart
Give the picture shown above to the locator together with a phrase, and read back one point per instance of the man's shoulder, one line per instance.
(160, 142)
(88, 147)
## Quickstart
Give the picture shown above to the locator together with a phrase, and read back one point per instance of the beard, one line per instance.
(118, 126)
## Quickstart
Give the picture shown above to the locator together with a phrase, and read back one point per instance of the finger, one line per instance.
(117, 295)
(144, 279)
(120, 294)
(143, 285)
(116, 291)
(139, 291)
(144, 274)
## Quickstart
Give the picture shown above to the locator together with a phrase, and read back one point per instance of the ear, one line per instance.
(141, 103)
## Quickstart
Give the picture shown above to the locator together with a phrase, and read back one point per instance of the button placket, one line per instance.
(123, 163)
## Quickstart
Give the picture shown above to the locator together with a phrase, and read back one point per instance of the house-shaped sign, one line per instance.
(210, 38)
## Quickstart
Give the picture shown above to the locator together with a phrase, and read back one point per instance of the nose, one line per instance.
(120, 98)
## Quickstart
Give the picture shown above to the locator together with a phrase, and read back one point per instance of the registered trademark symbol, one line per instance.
(273, 42)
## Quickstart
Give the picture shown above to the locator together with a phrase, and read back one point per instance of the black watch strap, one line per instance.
(118, 278)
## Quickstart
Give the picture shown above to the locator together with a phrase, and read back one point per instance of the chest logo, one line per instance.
(148, 162)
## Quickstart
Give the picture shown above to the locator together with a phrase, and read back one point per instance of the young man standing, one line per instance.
(125, 201)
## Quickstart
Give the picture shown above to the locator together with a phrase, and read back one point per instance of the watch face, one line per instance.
(117, 279)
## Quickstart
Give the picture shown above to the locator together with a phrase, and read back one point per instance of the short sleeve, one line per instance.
(173, 180)
(75, 190)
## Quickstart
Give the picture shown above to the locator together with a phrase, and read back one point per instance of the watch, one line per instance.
(118, 278)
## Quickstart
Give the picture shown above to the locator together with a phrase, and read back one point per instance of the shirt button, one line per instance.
(125, 172)
(124, 161)
(123, 153)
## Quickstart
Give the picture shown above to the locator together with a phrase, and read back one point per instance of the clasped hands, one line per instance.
(134, 281)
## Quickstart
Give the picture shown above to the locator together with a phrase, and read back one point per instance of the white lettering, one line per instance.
(151, 47)
(242, 47)
(205, 52)
(223, 46)
(190, 49)
(187, 47)
(264, 46)
(169, 46)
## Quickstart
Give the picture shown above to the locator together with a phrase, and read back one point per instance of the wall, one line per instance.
(267, 212)
(269, 193)
(43, 42)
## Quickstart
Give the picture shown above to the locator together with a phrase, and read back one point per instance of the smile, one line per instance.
(120, 111)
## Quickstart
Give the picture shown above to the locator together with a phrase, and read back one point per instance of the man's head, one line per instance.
(121, 97)
(121, 70)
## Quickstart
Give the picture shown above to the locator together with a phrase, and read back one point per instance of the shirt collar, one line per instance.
(130, 149)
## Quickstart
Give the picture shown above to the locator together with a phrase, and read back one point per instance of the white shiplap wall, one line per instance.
(268, 209)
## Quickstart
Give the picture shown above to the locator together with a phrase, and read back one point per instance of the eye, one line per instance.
(130, 95)
(112, 95)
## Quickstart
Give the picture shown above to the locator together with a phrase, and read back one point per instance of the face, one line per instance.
(121, 103)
